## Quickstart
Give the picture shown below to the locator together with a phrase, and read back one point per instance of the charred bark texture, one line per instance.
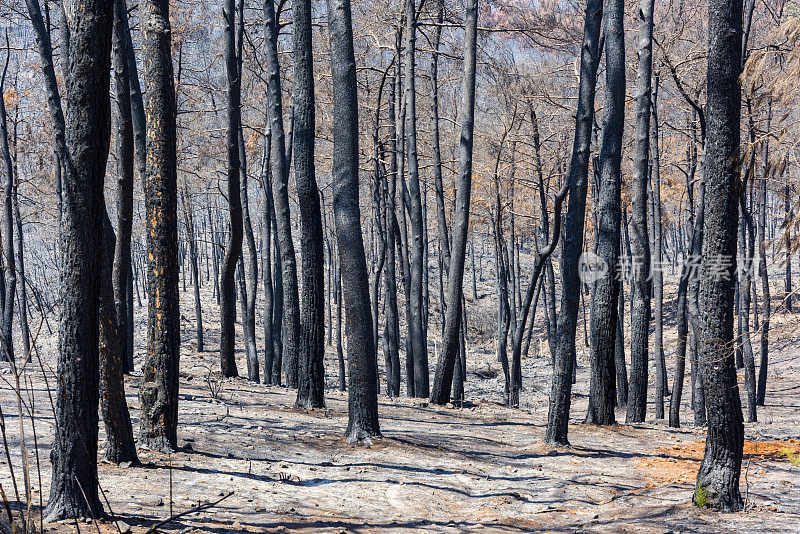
(159, 389)
(362, 364)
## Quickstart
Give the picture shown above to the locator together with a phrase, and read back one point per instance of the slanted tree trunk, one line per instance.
(73, 488)
(561, 391)
(455, 279)
(718, 478)
(311, 371)
(416, 301)
(602, 390)
(290, 305)
(159, 390)
(120, 446)
(227, 312)
(362, 365)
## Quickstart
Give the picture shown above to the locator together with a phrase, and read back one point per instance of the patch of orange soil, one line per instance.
(678, 464)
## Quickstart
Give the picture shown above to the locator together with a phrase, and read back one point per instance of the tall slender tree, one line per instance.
(125, 166)
(640, 242)
(159, 390)
(561, 391)
(9, 258)
(290, 306)
(455, 280)
(718, 478)
(362, 364)
(310, 370)
(416, 302)
(227, 330)
(602, 389)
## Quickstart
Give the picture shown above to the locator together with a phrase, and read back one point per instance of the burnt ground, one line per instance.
(482, 468)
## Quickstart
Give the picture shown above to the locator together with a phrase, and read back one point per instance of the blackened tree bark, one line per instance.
(9, 259)
(662, 388)
(362, 364)
(640, 242)
(392, 329)
(602, 389)
(227, 329)
(73, 489)
(120, 446)
(310, 371)
(560, 395)
(188, 219)
(250, 260)
(718, 478)
(45, 49)
(787, 212)
(747, 238)
(766, 310)
(25, 332)
(695, 247)
(441, 217)
(455, 280)
(619, 351)
(159, 389)
(416, 302)
(266, 258)
(290, 305)
(125, 163)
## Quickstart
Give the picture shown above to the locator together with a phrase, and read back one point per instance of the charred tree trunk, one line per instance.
(9, 259)
(392, 329)
(227, 312)
(560, 395)
(125, 164)
(250, 259)
(290, 305)
(766, 312)
(602, 392)
(120, 446)
(416, 326)
(73, 489)
(266, 260)
(362, 364)
(451, 334)
(188, 219)
(159, 389)
(311, 371)
(662, 388)
(718, 478)
(640, 242)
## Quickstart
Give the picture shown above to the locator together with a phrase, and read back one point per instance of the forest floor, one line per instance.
(482, 468)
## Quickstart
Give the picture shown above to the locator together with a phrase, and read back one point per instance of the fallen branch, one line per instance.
(198, 508)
